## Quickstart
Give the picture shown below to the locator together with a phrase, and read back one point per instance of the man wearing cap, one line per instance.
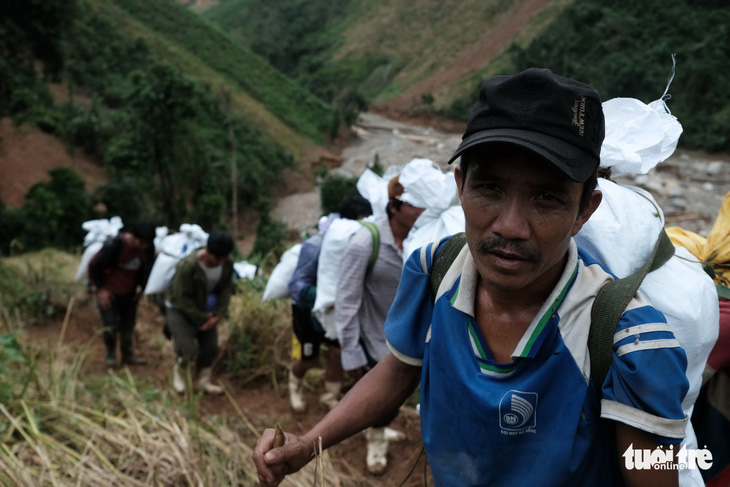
(119, 273)
(501, 350)
(198, 300)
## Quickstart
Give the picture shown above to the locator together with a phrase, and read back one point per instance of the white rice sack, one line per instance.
(173, 248)
(89, 253)
(374, 188)
(100, 230)
(638, 136)
(277, 287)
(328, 269)
(621, 235)
(426, 186)
(432, 226)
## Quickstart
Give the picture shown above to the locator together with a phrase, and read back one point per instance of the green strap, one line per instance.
(611, 302)
(444, 259)
(375, 233)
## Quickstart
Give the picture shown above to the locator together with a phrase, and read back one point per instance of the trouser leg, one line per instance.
(184, 336)
(207, 347)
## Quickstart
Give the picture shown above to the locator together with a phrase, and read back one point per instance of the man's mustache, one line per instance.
(517, 248)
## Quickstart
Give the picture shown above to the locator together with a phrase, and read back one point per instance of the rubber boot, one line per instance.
(296, 393)
(377, 459)
(128, 356)
(178, 380)
(332, 394)
(110, 340)
(205, 384)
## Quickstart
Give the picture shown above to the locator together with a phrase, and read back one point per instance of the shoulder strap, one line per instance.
(444, 259)
(610, 304)
(375, 233)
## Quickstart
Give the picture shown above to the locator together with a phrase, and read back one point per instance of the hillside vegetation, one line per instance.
(430, 56)
(159, 97)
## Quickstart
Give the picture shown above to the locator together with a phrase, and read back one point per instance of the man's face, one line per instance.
(520, 213)
(407, 214)
(211, 260)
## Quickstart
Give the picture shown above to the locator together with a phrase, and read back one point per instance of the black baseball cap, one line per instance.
(558, 118)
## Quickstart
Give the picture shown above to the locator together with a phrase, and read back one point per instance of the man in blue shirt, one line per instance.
(501, 350)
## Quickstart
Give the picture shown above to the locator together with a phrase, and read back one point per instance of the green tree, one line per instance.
(54, 211)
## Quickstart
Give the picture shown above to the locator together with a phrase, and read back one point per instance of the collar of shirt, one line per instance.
(463, 298)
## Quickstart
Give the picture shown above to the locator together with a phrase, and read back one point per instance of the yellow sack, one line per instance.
(715, 249)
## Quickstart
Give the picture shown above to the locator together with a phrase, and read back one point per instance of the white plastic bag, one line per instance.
(328, 269)
(244, 270)
(173, 248)
(98, 232)
(621, 235)
(638, 136)
(277, 287)
(432, 226)
(374, 188)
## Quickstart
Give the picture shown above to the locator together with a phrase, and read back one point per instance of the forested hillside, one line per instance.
(429, 56)
(162, 100)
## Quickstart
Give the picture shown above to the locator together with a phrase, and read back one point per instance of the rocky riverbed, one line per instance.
(689, 186)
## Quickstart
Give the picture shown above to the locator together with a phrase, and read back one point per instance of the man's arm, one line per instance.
(627, 436)
(374, 397)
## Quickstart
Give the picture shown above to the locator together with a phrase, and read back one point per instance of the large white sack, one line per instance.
(432, 226)
(172, 249)
(277, 287)
(100, 230)
(621, 235)
(426, 186)
(328, 269)
(638, 136)
(374, 188)
(89, 253)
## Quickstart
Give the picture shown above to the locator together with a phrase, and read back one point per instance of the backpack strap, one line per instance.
(611, 302)
(444, 259)
(375, 233)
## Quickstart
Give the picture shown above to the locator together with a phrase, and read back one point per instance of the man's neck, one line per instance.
(400, 232)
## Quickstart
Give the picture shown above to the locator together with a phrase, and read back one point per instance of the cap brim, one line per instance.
(577, 164)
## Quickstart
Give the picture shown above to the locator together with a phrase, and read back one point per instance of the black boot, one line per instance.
(128, 356)
(110, 340)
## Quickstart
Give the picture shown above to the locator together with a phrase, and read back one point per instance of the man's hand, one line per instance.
(212, 321)
(273, 464)
(103, 298)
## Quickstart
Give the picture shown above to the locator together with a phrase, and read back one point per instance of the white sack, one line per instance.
(328, 269)
(326, 318)
(98, 232)
(89, 253)
(244, 270)
(426, 186)
(621, 235)
(172, 249)
(638, 136)
(277, 287)
(374, 188)
(432, 226)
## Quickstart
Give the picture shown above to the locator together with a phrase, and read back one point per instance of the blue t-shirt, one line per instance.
(536, 420)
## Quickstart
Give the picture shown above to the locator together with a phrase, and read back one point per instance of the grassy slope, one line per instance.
(209, 55)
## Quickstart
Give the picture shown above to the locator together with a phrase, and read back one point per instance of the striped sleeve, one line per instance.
(646, 383)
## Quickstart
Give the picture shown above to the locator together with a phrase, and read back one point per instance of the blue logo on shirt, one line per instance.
(517, 411)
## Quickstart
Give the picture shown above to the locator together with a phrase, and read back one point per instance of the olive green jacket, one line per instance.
(189, 291)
